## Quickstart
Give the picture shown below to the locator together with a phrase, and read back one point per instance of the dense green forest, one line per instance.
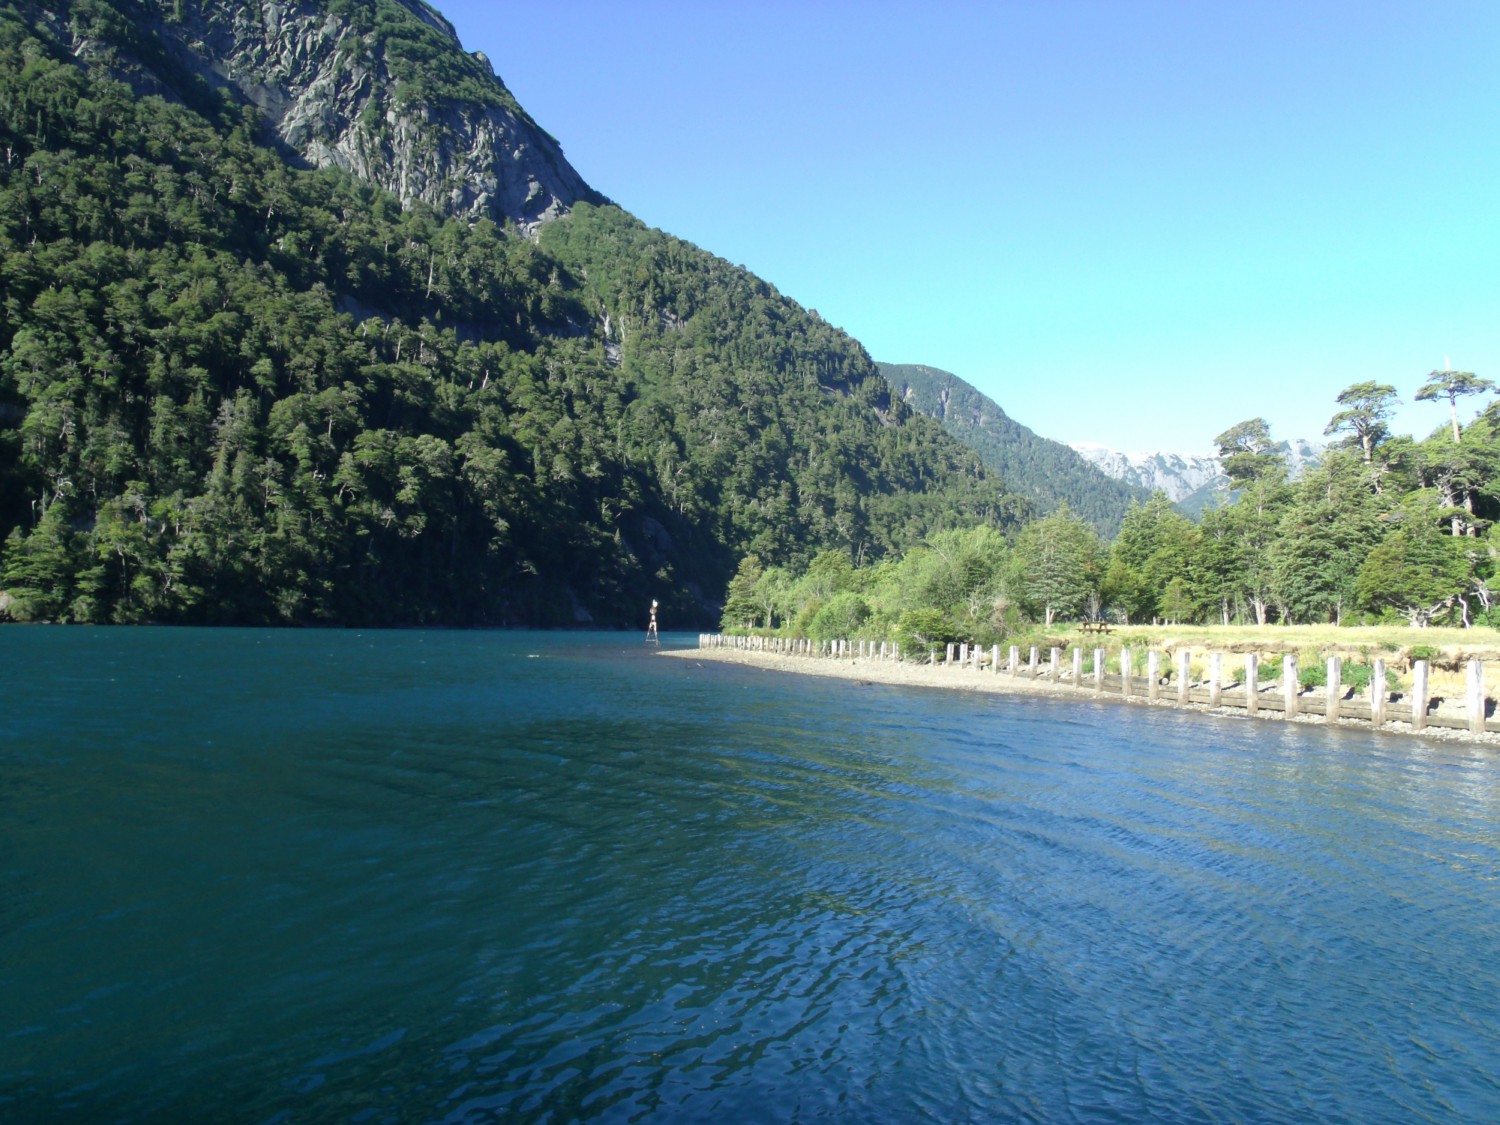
(232, 390)
(1046, 472)
(1384, 529)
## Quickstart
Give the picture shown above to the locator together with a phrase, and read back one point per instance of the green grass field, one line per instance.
(1328, 640)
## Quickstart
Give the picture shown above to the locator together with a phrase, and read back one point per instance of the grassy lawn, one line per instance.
(1325, 640)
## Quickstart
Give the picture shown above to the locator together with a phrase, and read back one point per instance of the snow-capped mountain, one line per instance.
(1188, 479)
(1179, 475)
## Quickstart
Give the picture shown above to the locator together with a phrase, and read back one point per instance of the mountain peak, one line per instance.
(1047, 472)
(384, 90)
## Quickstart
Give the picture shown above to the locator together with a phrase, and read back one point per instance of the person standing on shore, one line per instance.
(651, 634)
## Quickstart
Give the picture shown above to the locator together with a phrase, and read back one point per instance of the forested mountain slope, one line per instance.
(235, 388)
(1046, 472)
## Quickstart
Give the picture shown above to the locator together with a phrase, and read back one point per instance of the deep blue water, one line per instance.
(480, 877)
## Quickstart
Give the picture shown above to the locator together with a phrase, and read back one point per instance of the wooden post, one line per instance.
(1476, 697)
(1215, 678)
(1289, 685)
(1077, 666)
(1098, 669)
(1126, 660)
(1015, 659)
(1418, 694)
(1252, 683)
(994, 660)
(1153, 675)
(1184, 676)
(1335, 689)
(1052, 659)
(948, 659)
(963, 653)
(1031, 667)
(1377, 695)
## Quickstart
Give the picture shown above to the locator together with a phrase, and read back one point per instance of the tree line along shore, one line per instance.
(1385, 530)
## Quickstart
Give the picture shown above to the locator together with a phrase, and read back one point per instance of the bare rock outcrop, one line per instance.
(386, 93)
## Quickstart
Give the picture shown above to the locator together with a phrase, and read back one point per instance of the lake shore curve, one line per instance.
(869, 670)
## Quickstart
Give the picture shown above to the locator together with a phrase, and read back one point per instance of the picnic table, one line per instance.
(1095, 627)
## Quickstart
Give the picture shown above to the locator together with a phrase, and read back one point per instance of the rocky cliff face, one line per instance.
(383, 90)
(1179, 475)
(1190, 480)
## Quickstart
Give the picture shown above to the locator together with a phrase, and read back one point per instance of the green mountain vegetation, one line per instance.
(1384, 529)
(234, 390)
(1046, 472)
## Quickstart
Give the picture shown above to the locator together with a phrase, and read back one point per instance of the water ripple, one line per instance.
(424, 877)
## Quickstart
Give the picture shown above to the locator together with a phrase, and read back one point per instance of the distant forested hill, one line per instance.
(1046, 472)
(243, 381)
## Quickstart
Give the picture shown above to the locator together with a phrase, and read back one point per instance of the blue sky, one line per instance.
(1127, 222)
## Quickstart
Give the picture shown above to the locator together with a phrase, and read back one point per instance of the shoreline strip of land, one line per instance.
(897, 673)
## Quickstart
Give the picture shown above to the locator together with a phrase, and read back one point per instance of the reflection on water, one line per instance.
(506, 877)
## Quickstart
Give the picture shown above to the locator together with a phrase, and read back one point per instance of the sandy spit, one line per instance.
(957, 678)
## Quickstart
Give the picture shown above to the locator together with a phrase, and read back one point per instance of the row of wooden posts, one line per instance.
(1243, 694)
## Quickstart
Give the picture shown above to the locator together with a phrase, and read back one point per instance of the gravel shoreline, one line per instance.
(954, 678)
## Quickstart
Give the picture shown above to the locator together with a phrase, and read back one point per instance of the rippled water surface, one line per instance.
(483, 877)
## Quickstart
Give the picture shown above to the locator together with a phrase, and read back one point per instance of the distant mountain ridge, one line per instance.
(1190, 480)
(1047, 472)
(1184, 477)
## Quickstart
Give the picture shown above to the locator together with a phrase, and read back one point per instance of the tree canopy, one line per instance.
(236, 391)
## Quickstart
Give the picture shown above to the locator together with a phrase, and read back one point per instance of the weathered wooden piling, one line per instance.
(1472, 717)
(1418, 694)
(1476, 696)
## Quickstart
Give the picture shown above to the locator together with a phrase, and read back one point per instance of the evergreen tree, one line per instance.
(1247, 453)
(1058, 565)
(1452, 385)
(1416, 571)
(1366, 415)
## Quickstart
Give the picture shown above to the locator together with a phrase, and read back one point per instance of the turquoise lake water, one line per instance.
(277, 876)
